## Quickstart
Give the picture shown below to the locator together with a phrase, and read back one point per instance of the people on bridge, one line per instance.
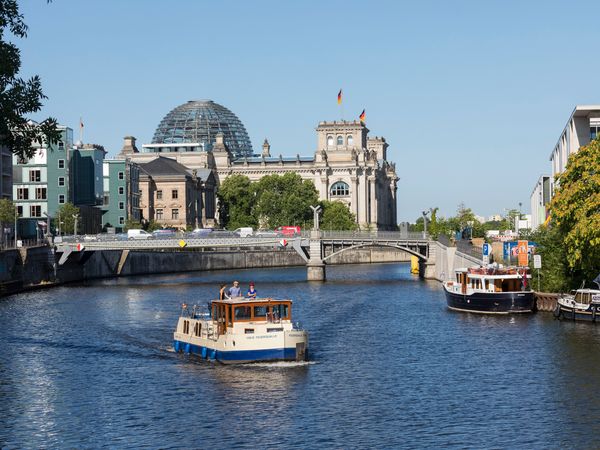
(251, 291)
(235, 291)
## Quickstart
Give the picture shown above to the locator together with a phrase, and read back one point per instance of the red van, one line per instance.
(288, 231)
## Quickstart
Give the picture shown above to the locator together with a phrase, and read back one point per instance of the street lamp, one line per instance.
(316, 210)
(76, 217)
(16, 216)
(425, 213)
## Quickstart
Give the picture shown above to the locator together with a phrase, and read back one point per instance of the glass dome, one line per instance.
(200, 121)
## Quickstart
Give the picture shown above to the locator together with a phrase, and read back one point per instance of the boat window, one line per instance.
(197, 328)
(260, 312)
(242, 312)
(249, 330)
(186, 326)
(274, 330)
(280, 311)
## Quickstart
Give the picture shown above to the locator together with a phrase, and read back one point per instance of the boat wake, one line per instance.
(283, 364)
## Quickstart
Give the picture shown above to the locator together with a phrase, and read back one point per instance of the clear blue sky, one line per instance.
(470, 95)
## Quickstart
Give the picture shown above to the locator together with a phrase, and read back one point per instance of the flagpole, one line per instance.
(80, 130)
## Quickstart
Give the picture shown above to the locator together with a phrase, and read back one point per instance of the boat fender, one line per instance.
(203, 352)
(213, 354)
(187, 348)
(176, 346)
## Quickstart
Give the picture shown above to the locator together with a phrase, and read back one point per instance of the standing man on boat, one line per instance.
(235, 291)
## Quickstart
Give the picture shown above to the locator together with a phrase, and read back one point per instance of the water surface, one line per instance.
(92, 366)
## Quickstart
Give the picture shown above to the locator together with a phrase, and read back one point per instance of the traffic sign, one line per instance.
(486, 260)
(537, 261)
(486, 249)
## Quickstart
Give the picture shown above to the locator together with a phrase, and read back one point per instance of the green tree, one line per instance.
(19, 97)
(65, 214)
(131, 224)
(284, 200)
(555, 275)
(575, 210)
(8, 212)
(337, 216)
(236, 202)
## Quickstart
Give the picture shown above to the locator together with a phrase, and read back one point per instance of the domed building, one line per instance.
(209, 143)
(199, 121)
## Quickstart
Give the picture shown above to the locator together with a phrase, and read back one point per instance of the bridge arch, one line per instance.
(370, 244)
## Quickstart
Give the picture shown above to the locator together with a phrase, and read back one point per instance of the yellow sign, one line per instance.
(182, 243)
(522, 256)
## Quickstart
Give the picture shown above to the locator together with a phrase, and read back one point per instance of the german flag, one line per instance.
(340, 97)
(362, 116)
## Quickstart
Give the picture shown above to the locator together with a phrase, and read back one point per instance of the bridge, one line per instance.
(315, 247)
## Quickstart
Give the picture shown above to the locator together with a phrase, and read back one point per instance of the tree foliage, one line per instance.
(19, 97)
(236, 201)
(555, 275)
(575, 210)
(8, 211)
(65, 214)
(337, 216)
(284, 200)
(275, 200)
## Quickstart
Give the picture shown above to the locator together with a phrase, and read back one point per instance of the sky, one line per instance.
(471, 96)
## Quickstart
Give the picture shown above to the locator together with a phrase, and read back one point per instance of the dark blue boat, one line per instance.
(495, 290)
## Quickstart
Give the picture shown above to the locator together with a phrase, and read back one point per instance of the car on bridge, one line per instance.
(164, 233)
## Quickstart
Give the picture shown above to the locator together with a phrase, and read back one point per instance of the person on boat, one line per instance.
(235, 291)
(251, 291)
(223, 292)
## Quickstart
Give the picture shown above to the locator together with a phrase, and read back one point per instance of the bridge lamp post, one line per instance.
(76, 217)
(425, 213)
(316, 210)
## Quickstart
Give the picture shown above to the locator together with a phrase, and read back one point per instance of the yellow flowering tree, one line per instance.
(575, 210)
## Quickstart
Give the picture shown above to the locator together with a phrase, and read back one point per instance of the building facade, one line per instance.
(6, 190)
(347, 165)
(540, 197)
(173, 196)
(582, 127)
(121, 193)
(41, 184)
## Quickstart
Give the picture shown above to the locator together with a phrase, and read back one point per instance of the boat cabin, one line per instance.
(267, 310)
(484, 279)
(587, 296)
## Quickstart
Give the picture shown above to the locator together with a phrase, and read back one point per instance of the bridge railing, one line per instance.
(376, 235)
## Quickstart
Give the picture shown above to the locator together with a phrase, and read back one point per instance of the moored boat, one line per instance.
(492, 290)
(581, 304)
(240, 330)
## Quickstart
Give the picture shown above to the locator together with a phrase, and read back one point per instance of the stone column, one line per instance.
(373, 202)
(324, 191)
(362, 200)
(203, 195)
(354, 188)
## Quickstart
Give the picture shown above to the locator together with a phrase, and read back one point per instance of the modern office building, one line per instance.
(347, 165)
(540, 197)
(582, 127)
(41, 183)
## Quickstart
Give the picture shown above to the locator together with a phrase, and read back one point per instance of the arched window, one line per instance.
(329, 140)
(339, 189)
(340, 140)
(350, 140)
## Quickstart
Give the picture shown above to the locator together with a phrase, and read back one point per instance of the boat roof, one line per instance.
(588, 291)
(247, 301)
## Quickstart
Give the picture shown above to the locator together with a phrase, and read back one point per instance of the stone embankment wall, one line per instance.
(30, 268)
(448, 259)
(546, 301)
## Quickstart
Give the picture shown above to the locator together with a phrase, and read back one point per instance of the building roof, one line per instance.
(162, 166)
(200, 121)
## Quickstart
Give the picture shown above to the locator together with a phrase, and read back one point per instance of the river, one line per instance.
(88, 366)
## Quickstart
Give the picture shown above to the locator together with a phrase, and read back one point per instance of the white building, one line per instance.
(582, 127)
(540, 197)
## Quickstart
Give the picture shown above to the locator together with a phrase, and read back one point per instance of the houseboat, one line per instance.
(493, 290)
(582, 304)
(240, 330)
